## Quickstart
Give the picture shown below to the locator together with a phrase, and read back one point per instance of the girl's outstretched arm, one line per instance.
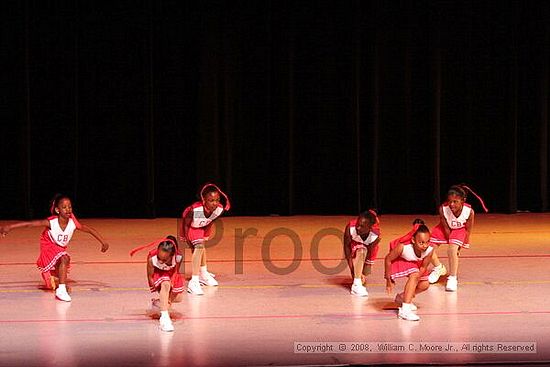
(372, 251)
(93, 232)
(4, 230)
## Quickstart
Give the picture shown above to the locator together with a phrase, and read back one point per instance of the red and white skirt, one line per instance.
(197, 236)
(175, 279)
(50, 253)
(456, 237)
(403, 268)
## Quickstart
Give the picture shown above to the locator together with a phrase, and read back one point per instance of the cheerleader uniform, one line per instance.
(166, 273)
(408, 263)
(457, 225)
(201, 226)
(357, 242)
(53, 245)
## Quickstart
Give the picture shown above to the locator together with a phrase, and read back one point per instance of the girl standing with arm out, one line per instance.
(54, 260)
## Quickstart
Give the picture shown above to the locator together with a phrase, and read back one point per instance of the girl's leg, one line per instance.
(359, 262)
(203, 258)
(55, 277)
(164, 295)
(176, 297)
(357, 288)
(205, 277)
(421, 286)
(452, 282)
(196, 259)
(165, 321)
(367, 270)
(62, 266)
(452, 252)
(438, 269)
(61, 291)
(406, 311)
(410, 287)
(194, 286)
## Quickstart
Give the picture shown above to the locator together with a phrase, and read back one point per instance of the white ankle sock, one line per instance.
(406, 307)
(204, 270)
(357, 281)
(62, 287)
(164, 314)
(194, 278)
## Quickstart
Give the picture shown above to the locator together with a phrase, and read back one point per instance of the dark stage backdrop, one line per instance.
(293, 107)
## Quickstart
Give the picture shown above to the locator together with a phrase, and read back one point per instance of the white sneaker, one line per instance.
(407, 315)
(359, 290)
(194, 287)
(399, 301)
(62, 295)
(208, 280)
(166, 324)
(452, 284)
(437, 272)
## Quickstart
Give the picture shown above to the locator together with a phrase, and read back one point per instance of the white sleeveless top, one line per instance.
(199, 218)
(460, 221)
(162, 266)
(409, 255)
(370, 238)
(57, 235)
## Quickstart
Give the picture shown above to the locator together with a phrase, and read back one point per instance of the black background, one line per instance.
(293, 107)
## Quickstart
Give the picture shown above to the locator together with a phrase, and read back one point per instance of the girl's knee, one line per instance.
(367, 269)
(165, 286)
(64, 259)
(453, 249)
(178, 298)
(423, 285)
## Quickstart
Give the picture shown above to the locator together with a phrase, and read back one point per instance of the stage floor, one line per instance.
(270, 303)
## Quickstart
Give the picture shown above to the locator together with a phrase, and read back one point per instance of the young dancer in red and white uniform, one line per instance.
(54, 260)
(409, 257)
(361, 239)
(455, 227)
(196, 229)
(163, 275)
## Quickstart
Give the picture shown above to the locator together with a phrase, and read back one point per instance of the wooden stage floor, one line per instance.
(276, 296)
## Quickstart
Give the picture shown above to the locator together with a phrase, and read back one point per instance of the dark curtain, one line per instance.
(294, 107)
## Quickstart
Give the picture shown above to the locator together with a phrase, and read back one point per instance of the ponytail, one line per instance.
(462, 190)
